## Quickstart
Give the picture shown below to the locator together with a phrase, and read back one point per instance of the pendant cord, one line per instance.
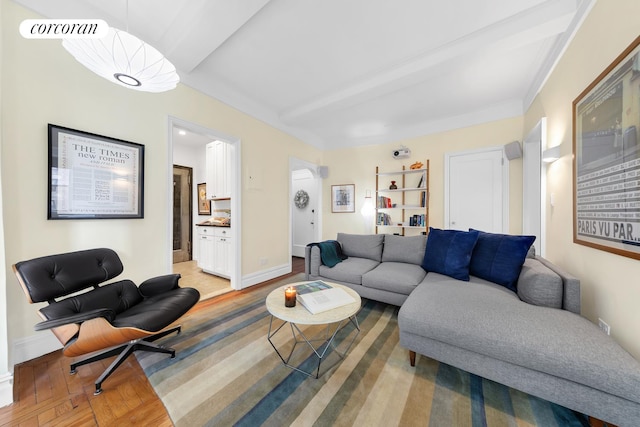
(127, 16)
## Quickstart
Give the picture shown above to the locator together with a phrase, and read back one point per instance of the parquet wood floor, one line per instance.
(45, 394)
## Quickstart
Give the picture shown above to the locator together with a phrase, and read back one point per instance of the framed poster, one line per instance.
(93, 176)
(606, 158)
(204, 205)
(342, 198)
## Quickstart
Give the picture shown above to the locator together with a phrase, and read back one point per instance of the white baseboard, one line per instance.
(6, 389)
(264, 275)
(34, 346)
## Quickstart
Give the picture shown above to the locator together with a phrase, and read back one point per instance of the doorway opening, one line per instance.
(182, 213)
(306, 205)
(187, 147)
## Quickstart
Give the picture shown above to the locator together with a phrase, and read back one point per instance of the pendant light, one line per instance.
(124, 59)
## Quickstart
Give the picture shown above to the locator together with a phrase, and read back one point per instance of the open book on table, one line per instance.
(319, 296)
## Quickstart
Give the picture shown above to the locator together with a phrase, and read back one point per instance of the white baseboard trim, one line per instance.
(264, 275)
(34, 346)
(6, 389)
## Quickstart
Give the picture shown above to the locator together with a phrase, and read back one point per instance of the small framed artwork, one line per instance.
(204, 205)
(343, 198)
(93, 176)
(606, 158)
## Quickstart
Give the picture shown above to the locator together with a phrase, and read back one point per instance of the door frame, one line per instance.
(236, 192)
(190, 213)
(505, 182)
(536, 139)
(297, 164)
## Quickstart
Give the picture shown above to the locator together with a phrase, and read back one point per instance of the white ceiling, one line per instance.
(340, 73)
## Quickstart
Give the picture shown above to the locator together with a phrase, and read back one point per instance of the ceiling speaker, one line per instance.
(513, 150)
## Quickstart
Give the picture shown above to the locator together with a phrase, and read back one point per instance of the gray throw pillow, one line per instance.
(409, 249)
(539, 285)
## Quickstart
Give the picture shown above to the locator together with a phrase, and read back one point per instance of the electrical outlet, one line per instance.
(264, 261)
(604, 327)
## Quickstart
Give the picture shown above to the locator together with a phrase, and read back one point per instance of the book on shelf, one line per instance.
(320, 296)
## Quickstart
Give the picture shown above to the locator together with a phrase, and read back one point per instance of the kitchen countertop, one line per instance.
(213, 225)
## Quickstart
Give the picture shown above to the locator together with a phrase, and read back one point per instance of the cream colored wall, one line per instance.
(42, 83)
(610, 286)
(357, 166)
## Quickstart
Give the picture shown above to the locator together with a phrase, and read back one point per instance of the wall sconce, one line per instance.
(552, 154)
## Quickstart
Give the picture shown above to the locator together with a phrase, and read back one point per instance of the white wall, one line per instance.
(41, 83)
(358, 166)
(610, 285)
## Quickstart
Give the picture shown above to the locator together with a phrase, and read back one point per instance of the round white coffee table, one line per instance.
(336, 319)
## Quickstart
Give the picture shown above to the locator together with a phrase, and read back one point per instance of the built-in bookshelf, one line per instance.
(406, 207)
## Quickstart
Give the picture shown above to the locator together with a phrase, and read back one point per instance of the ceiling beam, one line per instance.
(199, 29)
(526, 27)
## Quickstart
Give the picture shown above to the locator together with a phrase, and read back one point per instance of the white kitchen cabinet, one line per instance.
(218, 174)
(215, 250)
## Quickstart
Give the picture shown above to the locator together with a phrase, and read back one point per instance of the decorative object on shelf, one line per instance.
(301, 199)
(125, 60)
(605, 144)
(416, 165)
(204, 205)
(93, 176)
(393, 186)
(342, 198)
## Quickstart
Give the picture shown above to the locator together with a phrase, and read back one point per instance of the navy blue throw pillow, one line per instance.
(498, 258)
(449, 252)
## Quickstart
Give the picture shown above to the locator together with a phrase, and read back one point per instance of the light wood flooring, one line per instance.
(207, 284)
(46, 395)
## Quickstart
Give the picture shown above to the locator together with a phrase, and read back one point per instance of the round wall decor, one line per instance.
(301, 199)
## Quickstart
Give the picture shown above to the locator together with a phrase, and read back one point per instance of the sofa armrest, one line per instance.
(571, 286)
(312, 261)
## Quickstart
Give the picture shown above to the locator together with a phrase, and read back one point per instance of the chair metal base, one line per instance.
(124, 351)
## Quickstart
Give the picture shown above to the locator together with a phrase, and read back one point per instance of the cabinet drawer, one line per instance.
(221, 232)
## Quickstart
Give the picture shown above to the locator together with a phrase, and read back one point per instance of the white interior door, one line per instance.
(304, 217)
(476, 190)
(533, 185)
(306, 223)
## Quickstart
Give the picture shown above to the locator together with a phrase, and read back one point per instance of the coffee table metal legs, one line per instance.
(320, 351)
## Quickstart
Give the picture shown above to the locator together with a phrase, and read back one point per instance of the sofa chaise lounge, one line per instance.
(530, 337)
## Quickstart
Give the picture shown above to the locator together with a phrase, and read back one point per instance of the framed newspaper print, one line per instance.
(606, 158)
(93, 176)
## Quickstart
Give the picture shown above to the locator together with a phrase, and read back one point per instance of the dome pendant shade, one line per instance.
(126, 60)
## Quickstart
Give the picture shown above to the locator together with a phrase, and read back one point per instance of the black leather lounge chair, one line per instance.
(116, 318)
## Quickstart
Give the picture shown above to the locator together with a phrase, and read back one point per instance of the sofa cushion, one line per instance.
(499, 257)
(396, 277)
(409, 249)
(350, 270)
(488, 319)
(362, 245)
(449, 252)
(539, 285)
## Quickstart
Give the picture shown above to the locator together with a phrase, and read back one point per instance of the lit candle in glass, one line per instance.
(290, 297)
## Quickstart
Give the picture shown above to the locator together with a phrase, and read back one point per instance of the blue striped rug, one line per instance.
(226, 373)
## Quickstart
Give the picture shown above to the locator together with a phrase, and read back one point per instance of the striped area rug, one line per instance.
(226, 373)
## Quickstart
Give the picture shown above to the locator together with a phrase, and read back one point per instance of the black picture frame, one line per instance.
(606, 158)
(93, 176)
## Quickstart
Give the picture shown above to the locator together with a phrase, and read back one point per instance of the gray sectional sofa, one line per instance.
(532, 339)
